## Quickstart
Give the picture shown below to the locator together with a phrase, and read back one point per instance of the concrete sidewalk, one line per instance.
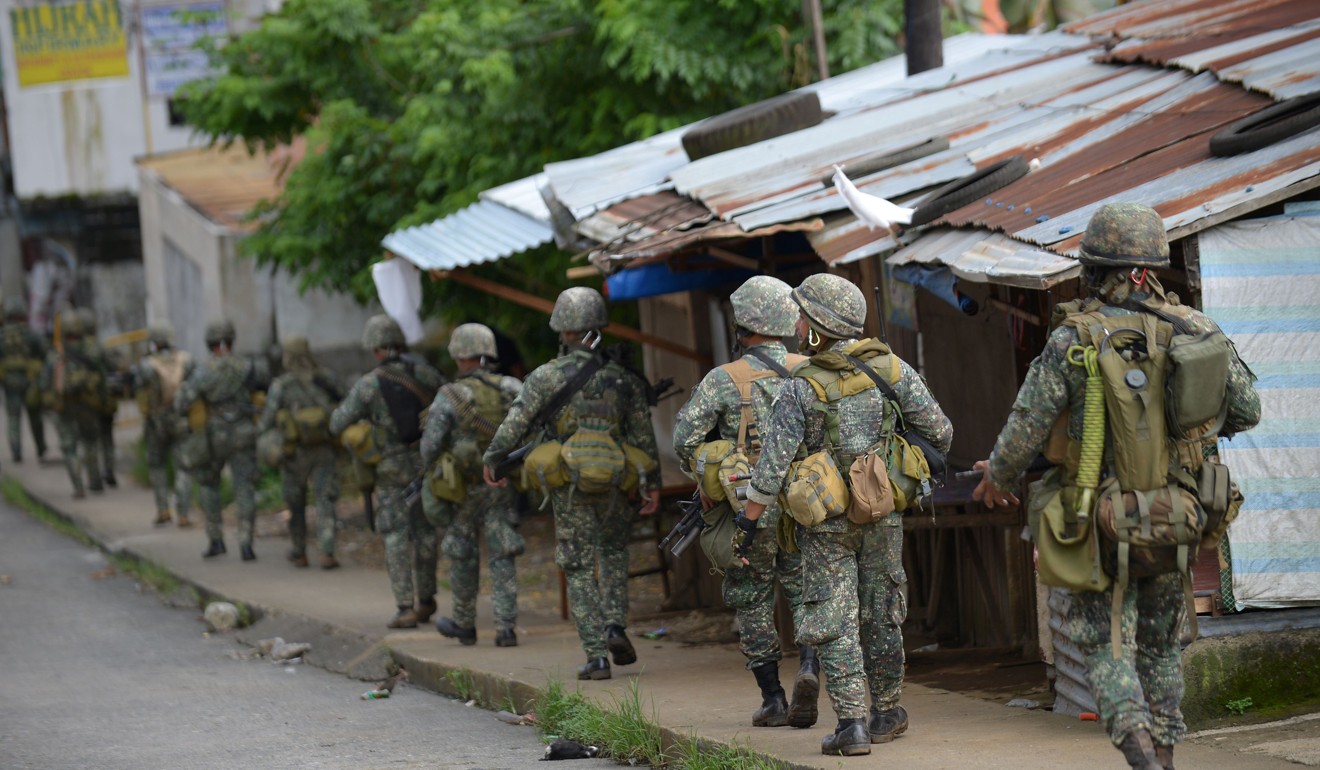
(703, 691)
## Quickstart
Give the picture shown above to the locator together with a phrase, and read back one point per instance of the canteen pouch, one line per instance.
(594, 460)
(359, 439)
(1066, 544)
(638, 467)
(543, 467)
(735, 472)
(716, 537)
(908, 471)
(706, 468)
(872, 490)
(816, 490)
(446, 482)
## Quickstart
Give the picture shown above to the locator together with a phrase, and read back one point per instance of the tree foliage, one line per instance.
(412, 107)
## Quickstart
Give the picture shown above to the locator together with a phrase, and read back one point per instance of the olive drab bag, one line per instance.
(361, 442)
(1066, 539)
(479, 411)
(595, 461)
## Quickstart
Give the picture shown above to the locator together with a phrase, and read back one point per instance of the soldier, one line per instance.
(22, 355)
(591, 528)
(764, 312)
(853, 581)
(1139, 690)
(109, 402)
(157, 379)
(219, 397)
(72, 385)
(392, 398)
(299, 405)
(462, 420)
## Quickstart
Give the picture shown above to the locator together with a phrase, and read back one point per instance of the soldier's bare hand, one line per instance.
(652, 503)
(987, 493)
(489, 475)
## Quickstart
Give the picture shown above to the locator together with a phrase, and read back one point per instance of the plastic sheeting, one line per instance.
(1261, 282)
(399, 286)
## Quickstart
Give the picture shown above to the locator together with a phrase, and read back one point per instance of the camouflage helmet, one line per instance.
(833, 305)
(382, 331)
(297, 354)
(472, 341)
(15, 307)
(1125, 235)
(160, 334)
(579, 309)
(764, 305)
(220, 331)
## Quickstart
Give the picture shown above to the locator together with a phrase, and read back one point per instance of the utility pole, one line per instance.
(811, 10)
(925, 38)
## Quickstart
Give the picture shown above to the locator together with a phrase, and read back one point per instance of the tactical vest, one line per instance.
(480, 413)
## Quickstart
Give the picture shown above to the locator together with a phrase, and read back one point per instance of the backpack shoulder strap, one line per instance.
(743, 375)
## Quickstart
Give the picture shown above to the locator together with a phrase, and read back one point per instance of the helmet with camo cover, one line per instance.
(764, 305)
(579, 309)
(220, 331)
(382, 331)
(833, 305)
(297, 355)
(160, 334)
(472, 341)
(15, 307)
(1125, 235)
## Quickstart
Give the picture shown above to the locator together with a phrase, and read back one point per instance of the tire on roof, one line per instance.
(868, 166)
(753, 123)
(1272, 124)
(964, 190)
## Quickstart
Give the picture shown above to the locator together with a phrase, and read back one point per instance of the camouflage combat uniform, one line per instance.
(1144, 688)
(78, 417)
(226, 384)
(159, 428)
(22, 355)
(410, 542)
(306, 387)
(486, 510)
(715, 403)
(97, 353)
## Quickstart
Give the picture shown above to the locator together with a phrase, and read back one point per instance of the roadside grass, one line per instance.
(627, 734)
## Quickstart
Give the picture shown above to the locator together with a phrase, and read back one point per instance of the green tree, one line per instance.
(412, 107)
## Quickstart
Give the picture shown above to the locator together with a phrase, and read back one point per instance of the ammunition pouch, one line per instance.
(445, 480)
(816, 490)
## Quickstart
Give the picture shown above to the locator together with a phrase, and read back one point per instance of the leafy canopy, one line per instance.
(412, 107)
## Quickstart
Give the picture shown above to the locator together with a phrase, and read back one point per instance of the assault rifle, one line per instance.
(688, 528)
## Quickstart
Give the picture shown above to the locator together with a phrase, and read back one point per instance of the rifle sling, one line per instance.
(566, 393)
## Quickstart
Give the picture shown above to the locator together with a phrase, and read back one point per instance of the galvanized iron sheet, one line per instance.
(480, 233)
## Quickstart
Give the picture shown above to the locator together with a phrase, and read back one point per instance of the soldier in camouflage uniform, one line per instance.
(410, 541)
(590, 529)
(463, 417)
(1139, 695)
(310, 392)
(97, 353)
(227, 386)
(853, 580)
(22, 354)
(764, 312)
(71, 385)
(157, 378)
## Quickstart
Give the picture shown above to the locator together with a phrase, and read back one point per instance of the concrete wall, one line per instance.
(193, 275)
(81, 137)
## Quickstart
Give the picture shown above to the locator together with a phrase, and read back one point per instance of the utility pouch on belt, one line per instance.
(197, 416)
(595, 461)
(446, 482)
(1066, 542)
(312, 424)
(716, 537)
(817, 490)
(360, 440)
(869, 480)
(638, 466)
(707, 461)
(543, 467)
(1220, 498)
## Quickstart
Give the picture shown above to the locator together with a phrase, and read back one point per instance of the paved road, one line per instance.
(97, 674)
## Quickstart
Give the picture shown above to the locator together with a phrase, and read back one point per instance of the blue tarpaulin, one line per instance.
(656, 279)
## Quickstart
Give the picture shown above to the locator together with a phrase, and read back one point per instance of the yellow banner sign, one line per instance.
(78, 40)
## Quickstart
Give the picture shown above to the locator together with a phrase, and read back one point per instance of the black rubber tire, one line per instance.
(753, 123)
(964, 190)
(1272, 124)
(858, 169)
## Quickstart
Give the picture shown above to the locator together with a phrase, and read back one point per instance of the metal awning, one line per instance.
(983, 256)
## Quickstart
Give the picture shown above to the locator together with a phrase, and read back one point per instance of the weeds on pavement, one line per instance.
(18, 496)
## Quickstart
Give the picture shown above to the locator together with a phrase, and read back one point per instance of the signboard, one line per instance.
(170, 34)
(62, 41)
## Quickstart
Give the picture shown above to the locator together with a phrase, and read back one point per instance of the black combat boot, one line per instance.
(849, 739)
(887, 724)
(505, 637)
(595, 668)
(216, 548)
(447, 627)
(774, 707)
(245, 550)
(110, 480)
(806, 689)
(1139, 750)
(1165, 755)
(621, 650)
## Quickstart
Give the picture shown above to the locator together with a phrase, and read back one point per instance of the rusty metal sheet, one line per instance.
(639, 219)
(614, 257)
(982, 256)
(223, 184)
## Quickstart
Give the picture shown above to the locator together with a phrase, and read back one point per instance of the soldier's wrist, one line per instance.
(757, 496)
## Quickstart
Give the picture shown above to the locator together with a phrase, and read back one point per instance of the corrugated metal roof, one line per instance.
(522, 195)
(988, 257)
(483, 232)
